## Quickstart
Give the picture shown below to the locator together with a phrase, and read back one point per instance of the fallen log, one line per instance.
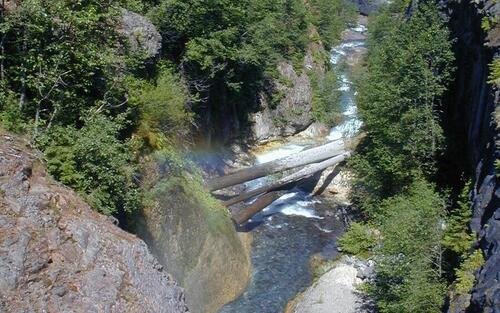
(304, 173)
(302, 158)
(244, 215)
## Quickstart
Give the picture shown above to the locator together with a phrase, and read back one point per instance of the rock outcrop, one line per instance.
(196, 242)
(140, 32)
(293, 113)
(473, 122)
(58, 255)
(336, 290)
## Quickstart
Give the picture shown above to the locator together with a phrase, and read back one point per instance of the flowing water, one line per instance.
(296, 226)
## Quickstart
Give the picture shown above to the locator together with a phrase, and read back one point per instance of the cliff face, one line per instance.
(473, 115)
(292, 113)
(58, 255)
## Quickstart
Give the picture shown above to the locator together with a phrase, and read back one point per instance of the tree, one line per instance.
(408, 68)
(408, 258)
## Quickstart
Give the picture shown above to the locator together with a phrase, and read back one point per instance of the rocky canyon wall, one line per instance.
(59, 255)
(472, 114)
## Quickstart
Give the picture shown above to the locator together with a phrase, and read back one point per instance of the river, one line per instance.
(298, 226)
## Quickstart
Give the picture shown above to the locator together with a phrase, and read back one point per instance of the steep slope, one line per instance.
(472, 119)
(58, 255)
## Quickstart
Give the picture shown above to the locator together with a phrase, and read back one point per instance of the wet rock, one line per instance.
(315, 130)
(198, 244)
(58, 255)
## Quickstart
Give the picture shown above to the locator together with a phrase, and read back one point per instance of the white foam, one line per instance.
(335, 134)
(298, 210)
(359, 28)
(344, 87)
(323, 229)
(351, 110)
(348, 129)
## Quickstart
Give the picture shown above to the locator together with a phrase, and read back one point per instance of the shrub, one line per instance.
(162, 104)
(458, 237)
(95, 162)
(407, 260)
(326, 98)
(359, 240)
(466, 273)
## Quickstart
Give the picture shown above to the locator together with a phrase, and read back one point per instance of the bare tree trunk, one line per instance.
(246, 214)
(2, 52)
(37, 118)
(22, 97)
(304, 173)
(309, 156)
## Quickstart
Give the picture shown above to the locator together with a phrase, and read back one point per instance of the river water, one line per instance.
(297, 226)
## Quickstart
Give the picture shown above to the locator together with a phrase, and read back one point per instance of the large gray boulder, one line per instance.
(58, 255)
(140, 32)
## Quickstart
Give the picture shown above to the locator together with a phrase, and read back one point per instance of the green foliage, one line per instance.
(359, 240)
(494, 77)
(219, 39)
(60, 57)
(409, 66)
(326, 98)
(11, 117)
(165, 118)
(331, 18)
(487, 23)
(95, 162)
(458, 237)
(466, 273)
(407, 259)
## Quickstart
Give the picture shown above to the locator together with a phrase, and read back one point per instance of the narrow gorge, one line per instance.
(118, 118)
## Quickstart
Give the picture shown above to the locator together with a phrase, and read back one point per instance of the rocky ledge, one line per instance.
(336, 291)
(58, 255)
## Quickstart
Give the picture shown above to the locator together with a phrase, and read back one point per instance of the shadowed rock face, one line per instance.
(472, 120)
(58, 255)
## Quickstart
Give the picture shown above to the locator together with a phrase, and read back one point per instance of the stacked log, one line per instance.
(312, 161)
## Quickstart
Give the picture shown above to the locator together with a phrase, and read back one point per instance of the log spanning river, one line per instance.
(297, 226)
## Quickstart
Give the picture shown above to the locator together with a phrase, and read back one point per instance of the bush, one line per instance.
(95, 162)
(494, 77)
(326, 98)
(466, 273)
(359, 240)
(162, 104)
(458, 237)
(407, 260)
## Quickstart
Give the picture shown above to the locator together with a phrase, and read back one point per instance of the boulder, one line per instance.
(140, 32)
